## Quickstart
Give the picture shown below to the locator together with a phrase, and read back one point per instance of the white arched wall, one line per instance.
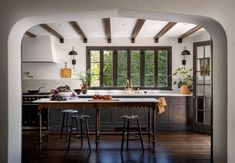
(219, 68)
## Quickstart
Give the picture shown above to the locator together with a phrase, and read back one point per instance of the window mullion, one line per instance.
(101, 67)
(142, 68)
(128, 64)
(88, 62)
(115, 64)
(169, 59)
(156, 67)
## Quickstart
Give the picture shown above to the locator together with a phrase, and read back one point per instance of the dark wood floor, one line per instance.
(172, 147)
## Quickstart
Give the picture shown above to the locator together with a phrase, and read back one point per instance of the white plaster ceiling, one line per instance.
(120, 28)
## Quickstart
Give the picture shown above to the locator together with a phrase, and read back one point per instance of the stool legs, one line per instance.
(127, 135)
(140, 133)
(126, 131)
(81, 131)
(70, 134)
(62, 125)
(123, 134)
(87, 133)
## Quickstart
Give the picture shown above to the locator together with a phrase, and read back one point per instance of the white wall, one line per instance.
(50, 71)
(216, 16)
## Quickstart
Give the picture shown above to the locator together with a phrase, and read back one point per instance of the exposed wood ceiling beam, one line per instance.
(163, 31)
(30, 34)
(191, 31)
(78, 29)
(138, 25)
(53, 32)
(107, 28)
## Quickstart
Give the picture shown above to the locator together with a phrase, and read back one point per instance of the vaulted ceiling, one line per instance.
(109, 28)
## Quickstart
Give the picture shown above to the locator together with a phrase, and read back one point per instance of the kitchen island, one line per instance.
(89, 103)
(178, 113)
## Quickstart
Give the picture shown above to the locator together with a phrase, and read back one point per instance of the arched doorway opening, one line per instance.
(219, 66)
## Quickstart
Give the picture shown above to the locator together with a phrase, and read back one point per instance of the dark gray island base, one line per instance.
(178, 115)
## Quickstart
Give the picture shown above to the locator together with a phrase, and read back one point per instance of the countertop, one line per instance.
(89, 100)
(135, 93)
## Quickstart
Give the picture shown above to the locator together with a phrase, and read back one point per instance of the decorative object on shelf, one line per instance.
(65, 72)
(84, 76)
(184, 79)
(73, 53)
(184, 53)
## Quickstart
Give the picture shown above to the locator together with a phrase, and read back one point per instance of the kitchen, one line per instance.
(45, 72)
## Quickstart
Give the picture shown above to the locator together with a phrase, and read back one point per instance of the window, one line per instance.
(145, 67)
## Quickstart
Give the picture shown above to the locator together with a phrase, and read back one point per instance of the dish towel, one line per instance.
(161, 105)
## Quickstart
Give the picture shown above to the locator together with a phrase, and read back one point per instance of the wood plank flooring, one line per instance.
(172, 147)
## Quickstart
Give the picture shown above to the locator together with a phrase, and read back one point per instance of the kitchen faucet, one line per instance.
(128, 87)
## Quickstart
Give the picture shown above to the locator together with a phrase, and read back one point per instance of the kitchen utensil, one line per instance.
(65, 72)
(35, 91)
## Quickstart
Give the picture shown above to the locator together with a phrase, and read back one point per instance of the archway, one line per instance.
(219, 67)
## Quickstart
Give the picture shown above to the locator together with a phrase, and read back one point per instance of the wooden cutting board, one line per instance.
(65, 72)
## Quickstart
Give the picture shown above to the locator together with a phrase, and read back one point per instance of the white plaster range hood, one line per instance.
(39, 49)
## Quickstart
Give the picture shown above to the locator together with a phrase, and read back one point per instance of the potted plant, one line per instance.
(84, 76)
(184, 79)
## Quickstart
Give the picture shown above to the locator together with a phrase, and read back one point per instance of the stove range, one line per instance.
(30, 117)
(28, 98)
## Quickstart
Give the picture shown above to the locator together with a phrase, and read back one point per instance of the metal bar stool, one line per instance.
(75, 119)
(65, 120)
(126, 130)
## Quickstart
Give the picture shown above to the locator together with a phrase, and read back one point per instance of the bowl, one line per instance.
(78, 91)
(65, 94)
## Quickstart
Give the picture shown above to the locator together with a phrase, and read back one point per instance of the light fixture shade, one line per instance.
(73, 52)
(185, 52)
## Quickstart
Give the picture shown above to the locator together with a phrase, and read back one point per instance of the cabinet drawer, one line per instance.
(178, 100)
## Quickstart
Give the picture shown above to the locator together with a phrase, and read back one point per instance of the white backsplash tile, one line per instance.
(49, 84)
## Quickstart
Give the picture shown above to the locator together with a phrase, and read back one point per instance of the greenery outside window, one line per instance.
(145, 67)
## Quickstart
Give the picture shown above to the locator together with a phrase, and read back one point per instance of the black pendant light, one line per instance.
(73, 53)
(184, 53)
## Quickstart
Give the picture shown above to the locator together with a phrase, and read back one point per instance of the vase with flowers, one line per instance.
(184, 79)
(84, 76)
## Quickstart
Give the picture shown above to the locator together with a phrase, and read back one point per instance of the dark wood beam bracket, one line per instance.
(107, 28)
(164, 30)
(191, 31)
(138, 26)
(53, 32)
(78, 29)
(30, 34)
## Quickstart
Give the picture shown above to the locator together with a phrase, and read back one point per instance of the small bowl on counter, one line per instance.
(78, 91)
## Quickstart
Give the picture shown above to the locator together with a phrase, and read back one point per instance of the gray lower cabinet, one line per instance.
(178, 116)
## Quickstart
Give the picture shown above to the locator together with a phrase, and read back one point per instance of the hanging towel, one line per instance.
(161, 105)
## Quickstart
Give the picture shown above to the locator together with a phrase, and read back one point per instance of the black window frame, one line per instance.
(142, 65)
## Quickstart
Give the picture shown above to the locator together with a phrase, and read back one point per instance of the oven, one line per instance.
(30, 113)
